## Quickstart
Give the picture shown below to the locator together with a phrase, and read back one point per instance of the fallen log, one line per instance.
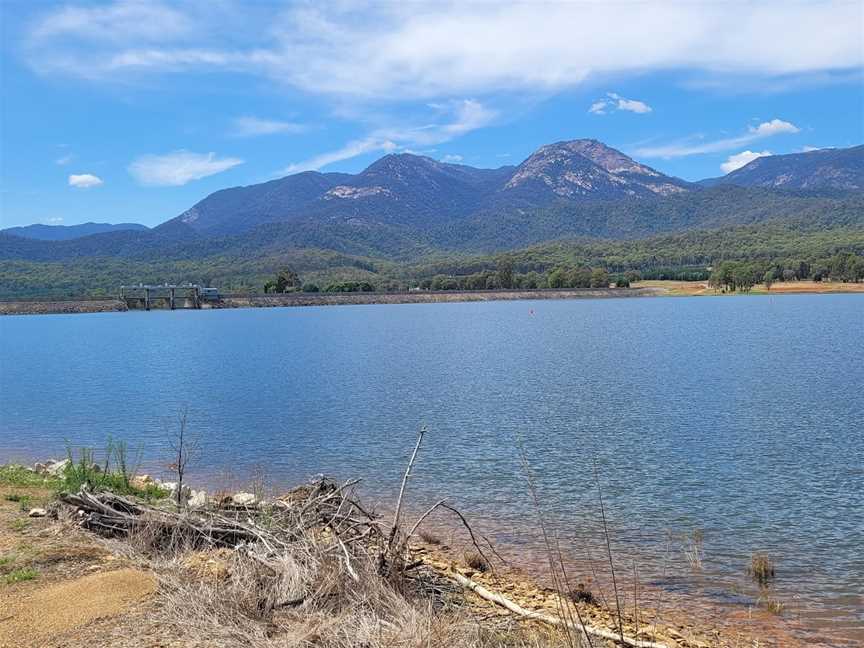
(498, 599)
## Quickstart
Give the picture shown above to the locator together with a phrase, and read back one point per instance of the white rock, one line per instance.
(37, 512)
(56, 468)
(197, 499)
(243, 499)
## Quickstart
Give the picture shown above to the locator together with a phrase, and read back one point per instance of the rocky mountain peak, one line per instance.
(588, 168)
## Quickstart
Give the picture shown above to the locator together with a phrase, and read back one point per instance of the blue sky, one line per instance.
(132, 111)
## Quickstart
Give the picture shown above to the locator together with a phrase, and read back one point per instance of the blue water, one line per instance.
(742, 417)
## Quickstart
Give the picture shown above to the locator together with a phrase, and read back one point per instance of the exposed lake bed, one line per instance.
(739, 418)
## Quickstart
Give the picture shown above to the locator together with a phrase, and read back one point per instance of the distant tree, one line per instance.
(557, 278)
(270, 286)
(287, 280)
(622, 282)
(599, 278)
(768, 279)
(580, 277)
(505, 273)
(310, 288)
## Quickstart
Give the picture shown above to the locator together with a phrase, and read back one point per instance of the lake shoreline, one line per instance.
(446, 553)
(656, 288)
(301, 299)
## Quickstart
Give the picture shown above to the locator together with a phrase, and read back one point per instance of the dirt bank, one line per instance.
(329, 299)
(333, 299)
(61, 307)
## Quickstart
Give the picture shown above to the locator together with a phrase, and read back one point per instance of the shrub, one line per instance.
(19, 576)
(582, 594)
(476, 562)
(14, 475)
(429, 538)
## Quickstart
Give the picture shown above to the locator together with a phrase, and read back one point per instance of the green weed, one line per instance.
(20, 575)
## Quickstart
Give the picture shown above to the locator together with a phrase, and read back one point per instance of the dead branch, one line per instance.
(498, 599)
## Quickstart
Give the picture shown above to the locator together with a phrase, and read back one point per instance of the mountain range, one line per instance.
(67, 232)
(405, 208)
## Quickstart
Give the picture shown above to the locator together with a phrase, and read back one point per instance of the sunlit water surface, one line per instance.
(739, 417)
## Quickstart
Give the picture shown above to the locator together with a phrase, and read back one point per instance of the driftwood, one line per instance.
(321, 505)
(498, 599)
(112, 515)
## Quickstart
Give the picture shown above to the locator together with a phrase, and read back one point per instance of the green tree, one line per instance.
(505, 273)
(557, 278)
(599, 278)
(768, 279)
(287, 280)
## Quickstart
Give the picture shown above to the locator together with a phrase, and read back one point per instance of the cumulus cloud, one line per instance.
(617, 102)
(252, 126)
(741, 159)
(63, 160)
(178, 168)
(458, 118)
(773, 127)
(452, 159)
(84, 181)
(428, 49)
(695, 147)
(53, 220)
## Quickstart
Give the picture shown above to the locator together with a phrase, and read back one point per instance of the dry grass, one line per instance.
(476, 562)
(761, 569)
(771, 604)
(430, 538)
(308, 593)
(693, 549)
(320, 572)
(690, 288)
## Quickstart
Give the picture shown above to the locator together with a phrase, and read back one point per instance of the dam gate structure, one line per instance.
(170, 296)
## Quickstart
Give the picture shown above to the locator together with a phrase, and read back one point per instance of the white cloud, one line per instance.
(84, 181)
(773, 127)
(118, 22)
(461, 117)
(178, 168)
(429, 49)
(632, 105)
(53, 220)
(617, 102)
(351, 150)
(598, 107)
(741, 159)
(64, 160)
(452, 159)
(695, 147)
(252, 126)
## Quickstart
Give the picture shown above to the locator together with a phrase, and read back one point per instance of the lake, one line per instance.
(738, 418)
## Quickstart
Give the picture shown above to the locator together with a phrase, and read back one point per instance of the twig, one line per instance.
(423, 517)
(608, 549)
